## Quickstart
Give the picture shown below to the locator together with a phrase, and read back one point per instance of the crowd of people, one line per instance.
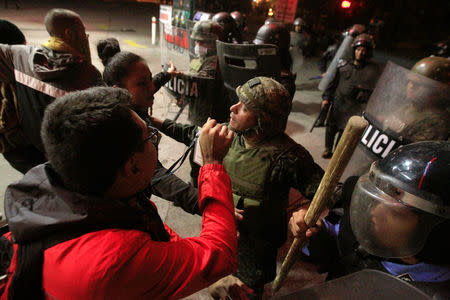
(87, 144)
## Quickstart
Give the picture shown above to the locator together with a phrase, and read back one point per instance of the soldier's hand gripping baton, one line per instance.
(349, 140)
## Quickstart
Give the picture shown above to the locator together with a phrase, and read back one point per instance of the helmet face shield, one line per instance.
(383, 224)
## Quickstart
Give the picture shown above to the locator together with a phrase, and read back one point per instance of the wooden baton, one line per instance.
(344, 150)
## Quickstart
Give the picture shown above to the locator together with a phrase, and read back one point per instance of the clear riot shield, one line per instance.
(197, 86)
(242, 62)
(344, 51)
(367, 284)
(171, 51)
(405, 107)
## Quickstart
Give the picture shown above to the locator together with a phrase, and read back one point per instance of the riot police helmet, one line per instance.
(300, 25)
(366, 41)
(273, 33)
(401, 207)
(269, 100)
(356, 30)
(228, 24)
(270, 21)
(434, 67)
(239, 19)
(299, 22)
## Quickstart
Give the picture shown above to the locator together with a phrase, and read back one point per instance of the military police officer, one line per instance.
(426, 118)
(241, 26)
(277, 34)
(204, 65)
(350, 89)
(229, 26)
(395, 218)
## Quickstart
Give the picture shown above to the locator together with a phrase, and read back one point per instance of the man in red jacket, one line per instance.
(82, 226)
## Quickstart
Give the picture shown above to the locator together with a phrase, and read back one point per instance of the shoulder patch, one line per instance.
(405, 277)
(196, 65)
(341, 63)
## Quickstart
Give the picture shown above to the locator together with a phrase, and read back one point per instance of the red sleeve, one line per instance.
(129, 265)
(188, 265)
(173, 235)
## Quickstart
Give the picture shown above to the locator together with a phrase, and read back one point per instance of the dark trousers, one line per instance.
(330, 135)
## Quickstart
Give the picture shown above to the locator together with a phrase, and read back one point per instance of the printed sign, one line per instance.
(183, 86)
(378, 142)
(285, 10)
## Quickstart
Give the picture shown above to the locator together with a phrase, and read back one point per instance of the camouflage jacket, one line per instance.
(204, 67)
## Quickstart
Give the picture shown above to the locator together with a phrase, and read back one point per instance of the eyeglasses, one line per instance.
(153, 136)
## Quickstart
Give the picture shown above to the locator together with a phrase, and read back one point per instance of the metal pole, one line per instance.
(153, 30)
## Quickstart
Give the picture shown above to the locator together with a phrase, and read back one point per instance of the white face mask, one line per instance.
(200, 50)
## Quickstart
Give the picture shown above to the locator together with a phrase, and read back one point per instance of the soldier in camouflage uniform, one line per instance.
(425, 120)
(350, 90)
(204, 64)
(263, 164)
(204, 35)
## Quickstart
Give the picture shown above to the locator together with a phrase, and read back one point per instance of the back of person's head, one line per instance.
(273, 33)
(107, 48)
(10, 34)
(88, 136)
(58, 20)
(276, 34)
(117, 63)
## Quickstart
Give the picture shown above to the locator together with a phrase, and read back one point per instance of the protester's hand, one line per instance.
(324, 103)
(215, 140)
(238, 214)
(172, 70)
(297, 223)
(229, 287)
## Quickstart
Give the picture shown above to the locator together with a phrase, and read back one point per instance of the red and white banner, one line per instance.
(165, 17)
(165, 14)
(285, 10)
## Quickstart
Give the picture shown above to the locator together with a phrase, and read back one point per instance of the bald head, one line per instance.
(58, 20)
(66, 25)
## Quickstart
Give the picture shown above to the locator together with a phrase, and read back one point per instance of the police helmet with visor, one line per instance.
(398, 207)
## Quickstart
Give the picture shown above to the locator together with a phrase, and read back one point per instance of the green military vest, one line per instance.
(249, 170)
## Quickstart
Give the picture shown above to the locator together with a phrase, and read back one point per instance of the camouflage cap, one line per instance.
(271, 102)
(207, 30)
